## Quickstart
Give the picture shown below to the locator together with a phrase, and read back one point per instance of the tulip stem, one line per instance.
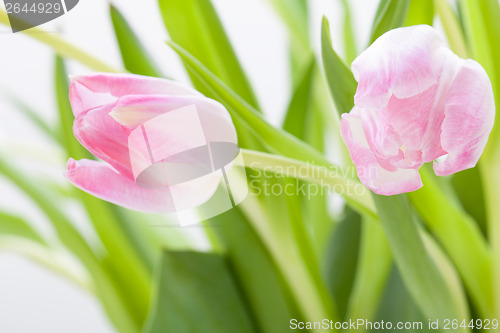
(64, 48)
(355, 194)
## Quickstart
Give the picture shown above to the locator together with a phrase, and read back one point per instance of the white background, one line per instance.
(33, 299)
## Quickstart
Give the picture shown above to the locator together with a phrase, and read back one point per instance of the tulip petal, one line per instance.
(468, 121)
(398, 63)
(102, 181)
(134, 110)
(90, 91)
(97, 131)
(83, 99)
(415, 122)
(217, 126)
(370, 172)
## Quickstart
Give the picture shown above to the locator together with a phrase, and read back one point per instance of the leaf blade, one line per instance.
(339, 77)
(13, 225)
(425, 282)
(134, 55)
(198, 285)
(195, 25)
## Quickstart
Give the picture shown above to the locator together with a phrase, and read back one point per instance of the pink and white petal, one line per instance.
(417, 121)
(100, 180)
(468, 121)
(97, 131)
(82, 99)
(399, 63)
(175, 122)
(90, 91)
(383, 141)
(134, 110)
(370, 173)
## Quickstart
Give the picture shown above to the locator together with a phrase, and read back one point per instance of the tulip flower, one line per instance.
(416, 102)
(134, 124)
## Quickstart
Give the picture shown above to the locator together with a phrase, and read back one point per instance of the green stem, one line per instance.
(64, 48)
(353, 191)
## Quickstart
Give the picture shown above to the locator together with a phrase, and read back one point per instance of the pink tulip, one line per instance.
(416, 102)
(113, 111)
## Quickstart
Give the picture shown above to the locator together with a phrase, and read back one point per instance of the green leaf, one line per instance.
(460, 236)
(468, 187)
(66, 231)
(66, 118)
(424, 280)
(341, 260)
(294, 14)
(339, 77)
(48, 258)
(490, 10)
(420, 12)
(449, 274)
(287, 242)
(267, 294)
(31, 114)
(349, 35)
(397, 304)
(13, 225)
(372, 271)
(122, 258)
(196, 27)
(481, 40)
(299, 107)
(197, 293)
(483, 36)
(74, 242)
(360, 200)
(315, 207)
(390, 14)
(452, 27)
(135, 57)
(275, 139)
(303, 119)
